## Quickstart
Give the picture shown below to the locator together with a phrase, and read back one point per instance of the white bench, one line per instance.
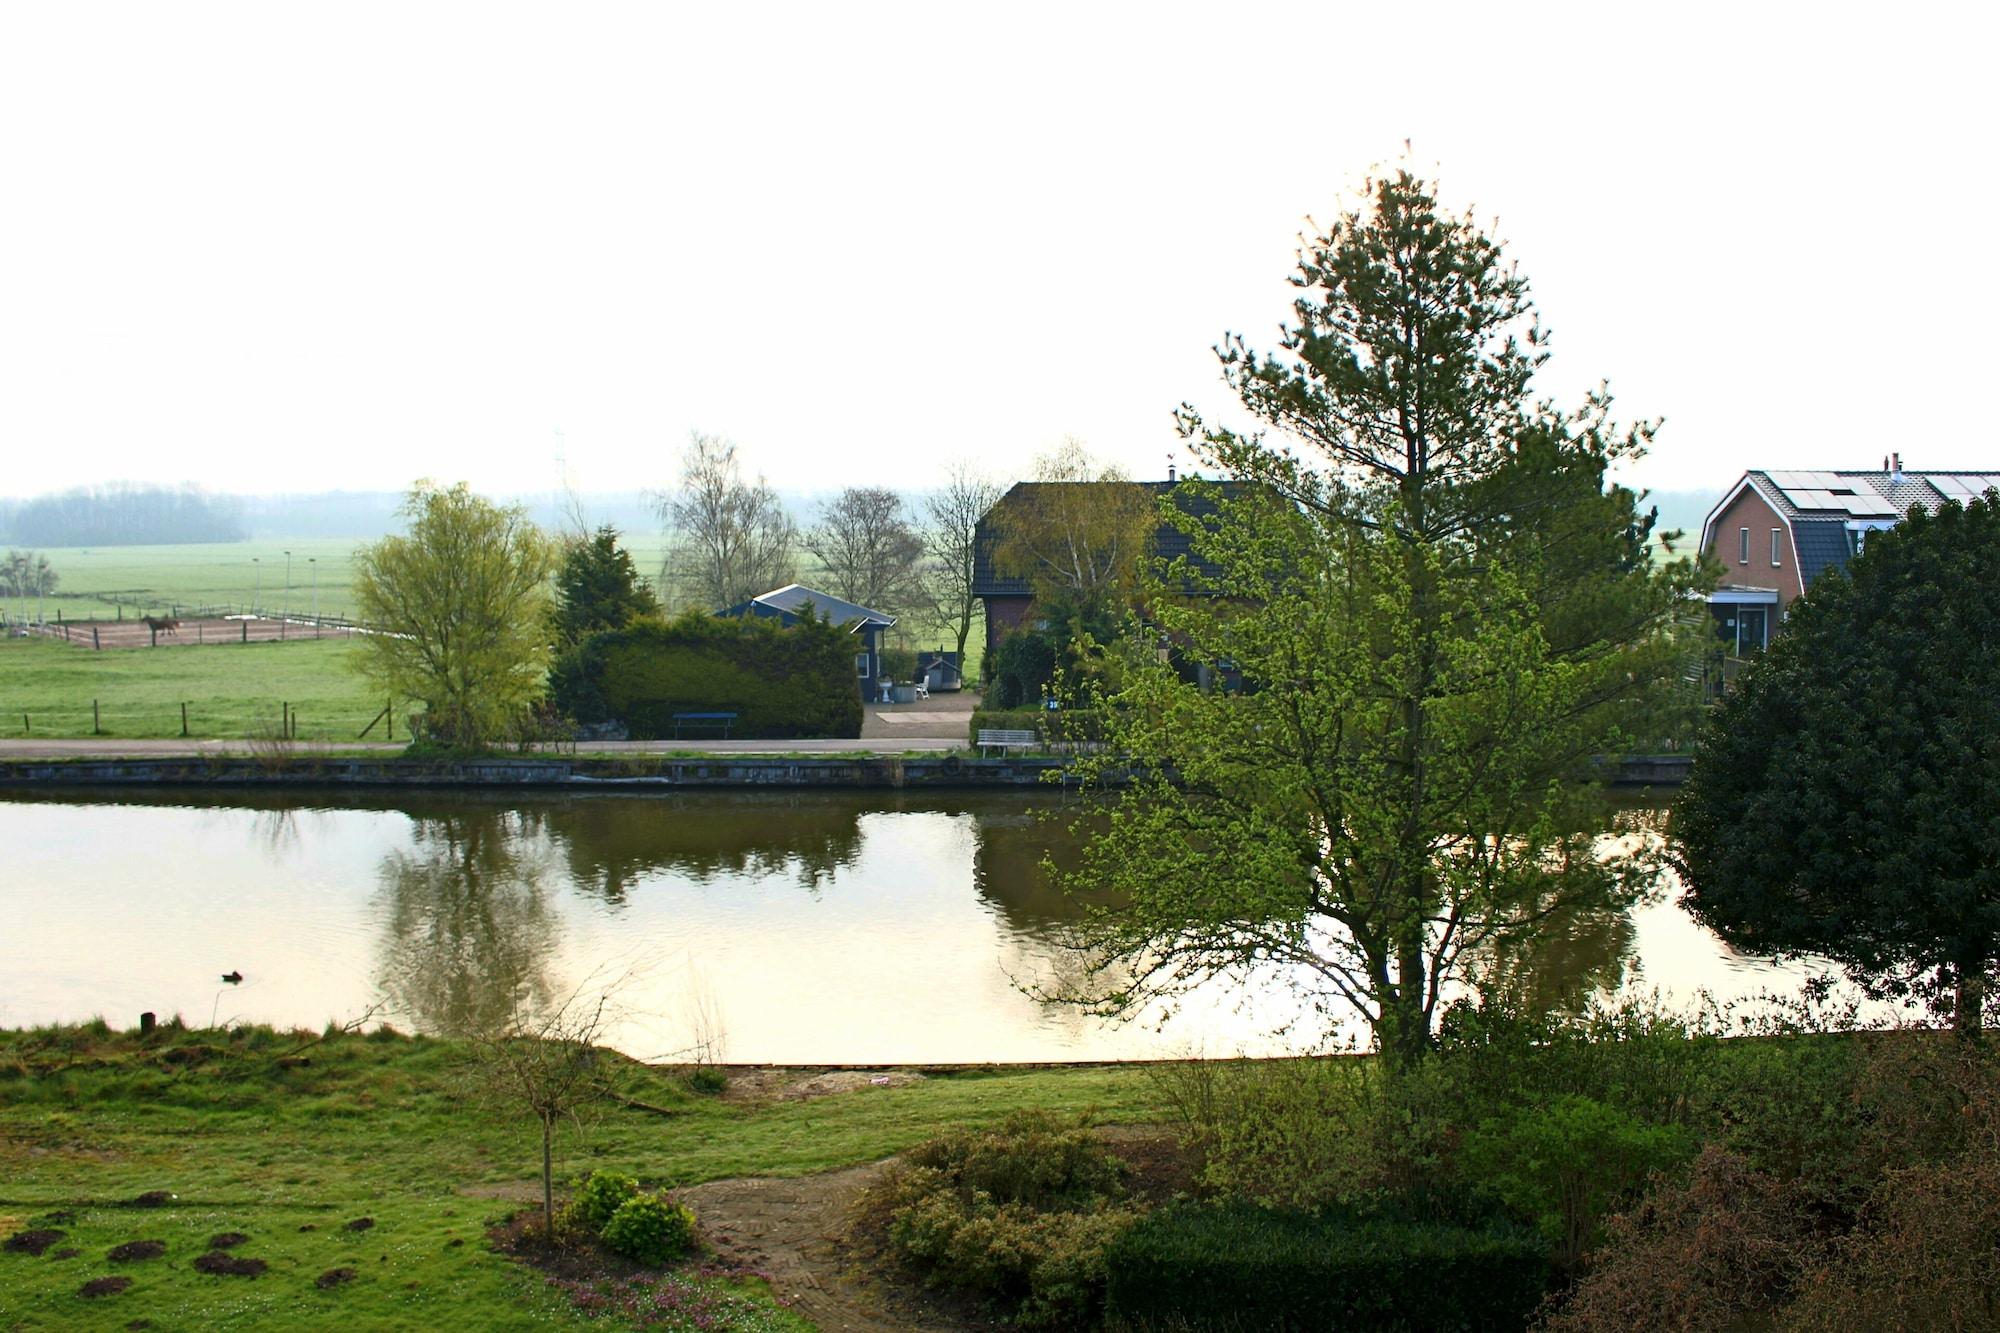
(1008, 739)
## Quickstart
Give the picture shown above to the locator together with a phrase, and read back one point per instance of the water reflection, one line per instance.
(470, 930)
(611, 843)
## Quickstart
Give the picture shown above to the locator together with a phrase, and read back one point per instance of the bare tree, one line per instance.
(1079, 535)
(26, 574)
(731, 538)
(545, 1063)
(952, 519)
(871, 553)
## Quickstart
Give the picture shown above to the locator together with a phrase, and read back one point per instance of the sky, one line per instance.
(279, 247)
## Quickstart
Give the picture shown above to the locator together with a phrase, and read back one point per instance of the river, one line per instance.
(790, 927)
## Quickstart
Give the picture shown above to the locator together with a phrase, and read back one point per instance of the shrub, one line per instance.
(596, 1199)
(1020, 1215)
(996, 719)
(1019, 670)
(899, 663)
(779, 681)
(1244, 1267)
(651, 1228)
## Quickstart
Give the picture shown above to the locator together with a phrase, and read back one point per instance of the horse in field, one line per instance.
(161, 624)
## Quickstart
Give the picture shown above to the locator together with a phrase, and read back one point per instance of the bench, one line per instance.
(722, 720)
(1006, 739)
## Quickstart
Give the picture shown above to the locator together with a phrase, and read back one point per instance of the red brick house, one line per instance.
(1775, 532)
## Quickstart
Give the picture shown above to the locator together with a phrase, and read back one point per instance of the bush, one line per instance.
(995, 719)
(595, 1201)
(1019, 671)
(651, 1228)
(1021, 1215)
(779, 681)
(899, 664)
(1243, 1267)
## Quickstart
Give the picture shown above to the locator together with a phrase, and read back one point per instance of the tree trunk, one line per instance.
(548, 1182)
(1968, 1006)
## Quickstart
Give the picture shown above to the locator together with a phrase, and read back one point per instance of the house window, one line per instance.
(861, 665)
(1774, 547)
(1743, 546)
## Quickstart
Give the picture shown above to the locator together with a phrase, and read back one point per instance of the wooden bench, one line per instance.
(722, 720)
(1005, 739)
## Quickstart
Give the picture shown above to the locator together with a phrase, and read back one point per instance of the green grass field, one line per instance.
(231, 691)
(288, 1151)
(95, 582)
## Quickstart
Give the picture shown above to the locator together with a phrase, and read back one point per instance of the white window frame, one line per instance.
(1775, 561)
(1743, 546)
(861, 665)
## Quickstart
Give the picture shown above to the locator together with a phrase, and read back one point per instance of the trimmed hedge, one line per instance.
(1243, 1267)
(1005, 719)
(779, 681)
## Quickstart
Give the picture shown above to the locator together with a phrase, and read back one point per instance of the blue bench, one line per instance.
(723, 720)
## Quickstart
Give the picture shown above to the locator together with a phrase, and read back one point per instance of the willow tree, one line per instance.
(459, 610)
(1443, 617)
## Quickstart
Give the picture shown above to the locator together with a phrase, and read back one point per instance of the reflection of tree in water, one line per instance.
(1570, 955)
(1011, 842)
(612, 842)
(471, 930)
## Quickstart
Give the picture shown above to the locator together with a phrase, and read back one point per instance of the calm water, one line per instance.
(791, 927)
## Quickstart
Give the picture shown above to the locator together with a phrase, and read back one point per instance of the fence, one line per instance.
(253, 720)
(185, 626)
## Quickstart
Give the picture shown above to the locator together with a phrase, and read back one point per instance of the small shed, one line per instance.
(791, 602)
(941, 671)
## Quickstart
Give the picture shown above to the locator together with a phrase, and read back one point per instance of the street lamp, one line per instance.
(313, 560)
(257, 595)
(286, 609)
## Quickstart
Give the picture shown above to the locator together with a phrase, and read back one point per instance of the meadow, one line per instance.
(291, 1142)
(231, 691)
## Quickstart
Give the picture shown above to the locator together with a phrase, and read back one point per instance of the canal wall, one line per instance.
(885, 772)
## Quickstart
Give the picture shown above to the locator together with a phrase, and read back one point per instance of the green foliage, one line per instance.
(899, 663)
(596, 1199)
(1567, 1164)
(598, 587)
(651, 1229)
(1020, 1215)
(1441, 615)
(460, 605)
(1240, 1267)
(779, 681)
(1021, 670)
(994, 719)
(1838, 801)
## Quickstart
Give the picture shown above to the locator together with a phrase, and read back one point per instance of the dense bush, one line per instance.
(1020, 1215)
(995, 719)
(595, 1201)
(651, 1228)
(796, 681)
(899, 664)
(1019, 671)
(1244, 1267)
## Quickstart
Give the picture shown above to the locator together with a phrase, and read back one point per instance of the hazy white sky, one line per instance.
(272, 246)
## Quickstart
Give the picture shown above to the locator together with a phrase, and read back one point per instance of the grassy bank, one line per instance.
(231, 690)
(289, 1144)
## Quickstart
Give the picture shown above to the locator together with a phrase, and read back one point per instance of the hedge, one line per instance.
(779, 681)
(1192, 1266)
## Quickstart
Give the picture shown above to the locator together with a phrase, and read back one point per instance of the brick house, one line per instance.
(1775, 532)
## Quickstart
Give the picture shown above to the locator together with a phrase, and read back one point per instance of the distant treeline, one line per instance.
(123, 515)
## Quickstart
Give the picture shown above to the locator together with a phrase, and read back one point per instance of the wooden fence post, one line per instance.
(95, 729)
(93, 638)
(246, 630)
(184, 718)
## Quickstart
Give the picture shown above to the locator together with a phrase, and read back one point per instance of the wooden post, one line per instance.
(184, 718)
(93, 638)
(155, 636)
(392, 719)
(95, 729)
(146, 1021)
(24, 724)
(246, 630)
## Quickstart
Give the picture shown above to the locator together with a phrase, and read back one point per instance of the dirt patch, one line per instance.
(793, 1085)
(361, 1224)
(334, 1277)
(31, 1242)
(133, 1250)
(221, 1263)
(152, 1199)
(66, 1252)
(103, 1286)
(228, 1240)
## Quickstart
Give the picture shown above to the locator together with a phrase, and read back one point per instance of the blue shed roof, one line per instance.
(793, 598)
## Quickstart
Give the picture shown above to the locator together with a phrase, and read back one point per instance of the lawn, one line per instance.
(289, 1147)
(95, 581)
(231, 690)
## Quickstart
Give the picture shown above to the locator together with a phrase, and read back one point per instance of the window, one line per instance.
(1743, 546)
(861, 665)
(1774, 547)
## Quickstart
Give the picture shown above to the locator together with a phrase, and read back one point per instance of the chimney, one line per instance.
(1895, 467)
(1170, 470)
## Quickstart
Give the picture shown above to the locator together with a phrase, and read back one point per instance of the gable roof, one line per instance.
(1169, 542)
(1820, 508)
(793, 598)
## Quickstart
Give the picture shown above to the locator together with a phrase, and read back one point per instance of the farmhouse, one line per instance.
(1775, 532)
(789, 603)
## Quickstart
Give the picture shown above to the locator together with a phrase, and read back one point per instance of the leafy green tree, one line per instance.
(459, 607)
(1443, 618)
(598, 587)
(1079, 535)
(1842, 798)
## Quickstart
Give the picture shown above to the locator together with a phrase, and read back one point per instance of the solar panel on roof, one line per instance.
(1825, 481)
(1873, 506)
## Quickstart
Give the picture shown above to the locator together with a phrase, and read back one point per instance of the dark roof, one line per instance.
(1169, 541)
(1822, 544)
(791, 599)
